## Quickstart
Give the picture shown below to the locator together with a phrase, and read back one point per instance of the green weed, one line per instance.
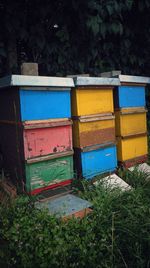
(115, 234)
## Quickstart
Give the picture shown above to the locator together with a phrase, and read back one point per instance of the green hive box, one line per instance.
(48, 172)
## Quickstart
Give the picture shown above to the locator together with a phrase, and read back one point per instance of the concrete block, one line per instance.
(29, 68)
(113, 181)
(113, 73)
(81, 75)
(142, 168)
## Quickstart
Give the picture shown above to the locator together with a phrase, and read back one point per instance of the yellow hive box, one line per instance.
(92, 100)
(131, 147)
(88, 131)
(130, 121)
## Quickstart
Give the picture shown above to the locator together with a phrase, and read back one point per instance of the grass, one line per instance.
(116, 234)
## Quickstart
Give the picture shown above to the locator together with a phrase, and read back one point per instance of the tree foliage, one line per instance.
(73, 36)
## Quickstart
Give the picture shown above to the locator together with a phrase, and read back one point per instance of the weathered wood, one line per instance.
(48, 171)
(133, 84)
(45, 139)
(134, 161)
(131, 147)
(92, 101)
(80, 214)
(129, 97)
(140, 134)
(97, 146)
(95, 117)
(42, 105)
(130, 123)
(47, 124)
(49, 157)
(91, 131)
(95, 161)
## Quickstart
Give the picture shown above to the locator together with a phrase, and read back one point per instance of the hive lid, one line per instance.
(64, 205)
(36, 81)
(134, 79)
(96, 81)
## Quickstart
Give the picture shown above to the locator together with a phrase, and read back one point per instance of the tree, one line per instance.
(75, 36)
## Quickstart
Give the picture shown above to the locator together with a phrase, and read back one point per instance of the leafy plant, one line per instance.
(68, 37)
(115, 234)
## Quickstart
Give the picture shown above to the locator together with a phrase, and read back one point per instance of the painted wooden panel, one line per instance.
(134, 161)
(97, 162)
(128, 122)
(49, 140)
(93, 132)
(38, 105)
(130, 96)
(128, 148)
(92, 101)
(45, 173)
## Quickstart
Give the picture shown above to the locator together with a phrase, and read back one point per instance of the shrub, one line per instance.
(115, 234)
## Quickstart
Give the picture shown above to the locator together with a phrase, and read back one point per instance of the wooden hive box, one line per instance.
(95, 160)
(133, 147)
(92, 130)
(130, 121)
(93, 95)
(130, 113)
(93, 126)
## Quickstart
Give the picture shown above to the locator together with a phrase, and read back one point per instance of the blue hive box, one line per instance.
(93, 161)
(129, 96)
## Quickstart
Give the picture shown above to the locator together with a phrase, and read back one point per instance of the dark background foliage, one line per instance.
(75, 36)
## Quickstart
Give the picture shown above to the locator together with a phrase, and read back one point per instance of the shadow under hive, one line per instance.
(36, 131)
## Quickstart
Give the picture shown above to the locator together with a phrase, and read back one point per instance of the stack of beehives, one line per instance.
(36, 131)
(93, 126)
(130, 113)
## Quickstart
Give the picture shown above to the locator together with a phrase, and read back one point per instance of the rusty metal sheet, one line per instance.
(36, 81)
(96, 81)
(134, 79)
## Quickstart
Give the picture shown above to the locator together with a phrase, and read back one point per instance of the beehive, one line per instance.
(36, 131)
(95, 160)
(93, 126)
(131, 147)
(88, 131)
(90, 100)
(130, 120)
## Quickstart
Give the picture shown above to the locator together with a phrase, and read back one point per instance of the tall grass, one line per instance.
(115, 234)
